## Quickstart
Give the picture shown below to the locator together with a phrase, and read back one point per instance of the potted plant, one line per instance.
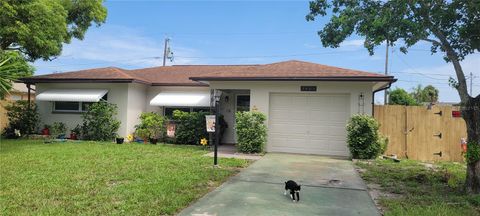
(75, 132)
(46, 130)
(119, 140)
(155, 130)
(142, 133)
(151, 126)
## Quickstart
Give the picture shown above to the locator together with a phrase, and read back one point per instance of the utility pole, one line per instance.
(165, 50)
(385, 100)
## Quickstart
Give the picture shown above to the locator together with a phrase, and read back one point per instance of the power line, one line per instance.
(207, 57)
(412, 68)
(264, 56)
(436, 74)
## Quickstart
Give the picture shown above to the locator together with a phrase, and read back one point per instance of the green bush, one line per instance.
(251, 131)
(363, 138)
(57, 129)
(190, 127)
(401, 97)
(21, 117)
(473, 152)
(153, 123)
(99, 122)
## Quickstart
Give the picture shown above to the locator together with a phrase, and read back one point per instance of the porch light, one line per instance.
(361, 103)
(361, 99)
(217, 95)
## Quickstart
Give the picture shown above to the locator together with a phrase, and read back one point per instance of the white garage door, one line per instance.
(308, 123)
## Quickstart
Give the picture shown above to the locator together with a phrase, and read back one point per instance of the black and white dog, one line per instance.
(294, 189)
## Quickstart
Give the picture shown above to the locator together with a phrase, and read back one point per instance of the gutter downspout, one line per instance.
(373, 97)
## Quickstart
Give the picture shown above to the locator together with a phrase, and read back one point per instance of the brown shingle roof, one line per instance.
(110, 74)
(180, 74)
(288, 70)
(188, 75)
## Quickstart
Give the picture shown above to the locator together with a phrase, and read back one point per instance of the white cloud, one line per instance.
(114, 46)
(352, 43)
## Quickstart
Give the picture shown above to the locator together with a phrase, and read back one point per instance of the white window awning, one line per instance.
(182, 99)
(76, 95)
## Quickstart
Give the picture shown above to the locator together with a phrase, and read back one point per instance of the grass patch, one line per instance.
(98, 178)
(420, 189)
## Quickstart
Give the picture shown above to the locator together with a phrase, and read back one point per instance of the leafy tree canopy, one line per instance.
(456, 21)
(427, 94)
(12, 67)
(38, 28)
(401, 97)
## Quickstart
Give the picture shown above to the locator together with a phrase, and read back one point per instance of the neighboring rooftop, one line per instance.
(190, 74)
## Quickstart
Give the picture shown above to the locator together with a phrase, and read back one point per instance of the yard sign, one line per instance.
(210, 120)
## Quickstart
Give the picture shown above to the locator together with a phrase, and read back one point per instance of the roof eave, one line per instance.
(390, 79)
(77, 80)
(179, 84)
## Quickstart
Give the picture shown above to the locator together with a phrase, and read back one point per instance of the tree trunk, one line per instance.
(471, 115)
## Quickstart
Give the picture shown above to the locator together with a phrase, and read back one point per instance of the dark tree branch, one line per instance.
(452, 55)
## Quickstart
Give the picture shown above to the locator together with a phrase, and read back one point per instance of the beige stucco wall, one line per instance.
(260, 91)
(117, 94)
(137, 102)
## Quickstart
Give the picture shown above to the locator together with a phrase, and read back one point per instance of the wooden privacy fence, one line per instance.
(419, 133)
(3, 116)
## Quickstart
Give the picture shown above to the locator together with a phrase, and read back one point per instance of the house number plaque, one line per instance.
(308, 88)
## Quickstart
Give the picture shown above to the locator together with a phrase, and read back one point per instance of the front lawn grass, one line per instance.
(98, 178)
(414, 188)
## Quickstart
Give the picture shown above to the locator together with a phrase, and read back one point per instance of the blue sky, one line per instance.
(240, 32)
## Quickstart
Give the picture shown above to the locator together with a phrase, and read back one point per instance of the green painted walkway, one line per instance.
(329, 187)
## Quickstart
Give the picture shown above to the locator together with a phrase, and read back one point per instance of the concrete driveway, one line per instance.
(329, 187)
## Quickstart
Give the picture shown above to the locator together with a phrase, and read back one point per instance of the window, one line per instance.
(201, 109)
(168, 111)
(66, 106)
(243, 103)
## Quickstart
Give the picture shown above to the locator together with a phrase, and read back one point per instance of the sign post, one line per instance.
(211, 128)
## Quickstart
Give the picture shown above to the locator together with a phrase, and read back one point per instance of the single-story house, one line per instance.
(307, 105)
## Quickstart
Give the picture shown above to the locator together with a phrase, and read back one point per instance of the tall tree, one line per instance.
(428, 94)
(37, 29)
(401, 97)
(449, 26)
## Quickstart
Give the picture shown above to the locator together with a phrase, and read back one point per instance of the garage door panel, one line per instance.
(285, 115)
(327, 131)
(308, 123)
(286, 101)
(288, 129)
